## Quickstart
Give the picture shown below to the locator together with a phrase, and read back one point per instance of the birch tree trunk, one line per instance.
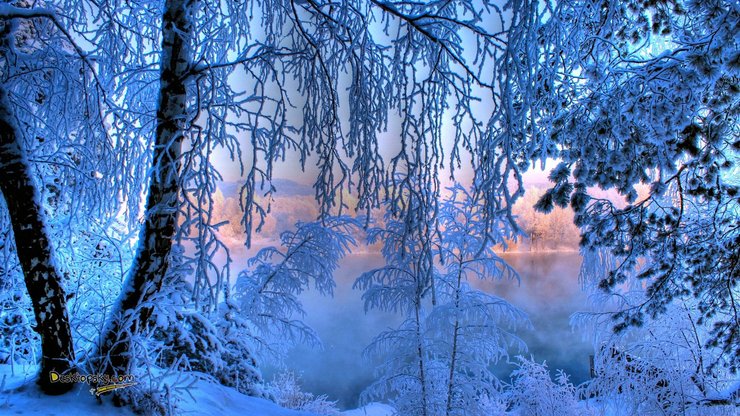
(34, 251)
(151, 263)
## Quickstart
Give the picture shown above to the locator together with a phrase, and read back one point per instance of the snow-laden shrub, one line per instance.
(159, 384)
(158, 391)
(534, 393)
(217, 343)
(656, 378)
(144, 401)
(18, 342)
(493, 405)
(286, 390)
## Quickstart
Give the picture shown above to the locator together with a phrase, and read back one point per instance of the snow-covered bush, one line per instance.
(18, 343)
(158, 391)
(220, 349)
(534, 393)
(218, 344)
(145, 401)
(662, 368)
(287, 392)
(493, 405)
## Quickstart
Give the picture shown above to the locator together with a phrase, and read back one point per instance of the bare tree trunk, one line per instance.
(35, 254)
(455, 336)
(134, 307)
(420, 353)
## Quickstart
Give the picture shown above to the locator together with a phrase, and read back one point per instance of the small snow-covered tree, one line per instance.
(267, 294)
(438, 362)
(403, 285)
(476, 328)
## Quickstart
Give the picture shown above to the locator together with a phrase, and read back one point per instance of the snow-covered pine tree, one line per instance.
(642, 97)
(663, 367)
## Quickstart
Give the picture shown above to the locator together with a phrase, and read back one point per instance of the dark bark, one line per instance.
(134, 308)
(34, 251)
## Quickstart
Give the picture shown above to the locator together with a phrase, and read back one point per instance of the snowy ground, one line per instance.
(20, 396)
(372, 409)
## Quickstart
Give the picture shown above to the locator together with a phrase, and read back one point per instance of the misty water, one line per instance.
(548, 291)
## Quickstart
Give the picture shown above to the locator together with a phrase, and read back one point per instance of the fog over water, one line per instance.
(549, 292)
